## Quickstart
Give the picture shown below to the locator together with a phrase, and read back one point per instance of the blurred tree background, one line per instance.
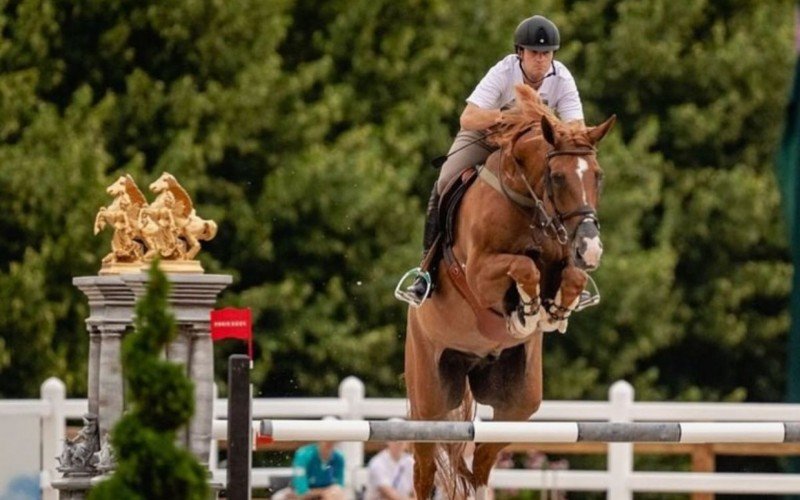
(304, 129)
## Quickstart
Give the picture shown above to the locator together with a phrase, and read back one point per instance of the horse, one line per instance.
(523, 244)
(173, 205)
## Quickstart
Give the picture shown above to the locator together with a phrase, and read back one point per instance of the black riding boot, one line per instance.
(420, 285)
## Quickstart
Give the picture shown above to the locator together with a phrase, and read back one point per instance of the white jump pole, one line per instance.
(531, 432)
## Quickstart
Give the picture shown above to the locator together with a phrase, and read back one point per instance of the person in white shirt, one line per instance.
(391, 474)
(535, 41)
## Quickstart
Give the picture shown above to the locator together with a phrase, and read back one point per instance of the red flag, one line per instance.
(232, 323)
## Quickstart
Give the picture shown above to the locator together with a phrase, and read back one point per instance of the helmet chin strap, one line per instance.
(540, 80)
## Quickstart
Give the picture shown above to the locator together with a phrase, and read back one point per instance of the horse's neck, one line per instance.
(512, 175)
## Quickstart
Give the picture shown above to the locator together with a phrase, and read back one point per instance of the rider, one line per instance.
(535, 41)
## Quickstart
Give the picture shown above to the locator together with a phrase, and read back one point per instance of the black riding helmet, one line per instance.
(537, 33)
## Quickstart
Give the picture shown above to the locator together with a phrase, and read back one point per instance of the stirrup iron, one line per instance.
(590, 297)
(401, 292)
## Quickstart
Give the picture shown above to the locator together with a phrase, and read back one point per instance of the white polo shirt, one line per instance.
(558, 90)
(385, 471)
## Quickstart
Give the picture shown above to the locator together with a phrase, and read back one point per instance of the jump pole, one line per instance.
(531, 432)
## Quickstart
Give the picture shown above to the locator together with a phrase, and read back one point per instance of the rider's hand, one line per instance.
(500, 119)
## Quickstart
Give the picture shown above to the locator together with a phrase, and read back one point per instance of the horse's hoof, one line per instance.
(521, 325)
(550, 324)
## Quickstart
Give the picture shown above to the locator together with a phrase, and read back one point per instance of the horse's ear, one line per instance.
(547, 131)
(598, 132)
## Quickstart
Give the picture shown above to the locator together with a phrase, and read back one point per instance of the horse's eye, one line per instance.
(559, 179)
(599, 180)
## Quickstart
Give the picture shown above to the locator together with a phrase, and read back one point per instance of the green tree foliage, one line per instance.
(304, 129)
(160, 398)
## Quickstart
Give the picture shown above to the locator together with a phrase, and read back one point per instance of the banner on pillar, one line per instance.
(233, 323)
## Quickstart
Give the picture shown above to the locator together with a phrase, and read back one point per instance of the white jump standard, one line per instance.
(532, 432)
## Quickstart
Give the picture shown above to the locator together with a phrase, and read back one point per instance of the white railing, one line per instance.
(620, 480)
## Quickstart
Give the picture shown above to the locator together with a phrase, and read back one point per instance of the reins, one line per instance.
(542, 219)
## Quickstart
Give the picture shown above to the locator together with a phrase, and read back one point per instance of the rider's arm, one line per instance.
(475, 118)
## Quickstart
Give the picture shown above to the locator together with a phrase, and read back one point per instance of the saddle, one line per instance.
(491, 323)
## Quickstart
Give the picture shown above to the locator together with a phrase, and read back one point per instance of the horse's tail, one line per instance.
(455, 476)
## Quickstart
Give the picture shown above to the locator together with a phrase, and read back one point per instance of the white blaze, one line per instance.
(583, 166)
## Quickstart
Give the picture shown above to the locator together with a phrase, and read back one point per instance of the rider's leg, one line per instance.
(420, 285)
(464, 152)
(467, 150)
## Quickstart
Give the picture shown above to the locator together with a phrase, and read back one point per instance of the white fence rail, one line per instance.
(620, 481)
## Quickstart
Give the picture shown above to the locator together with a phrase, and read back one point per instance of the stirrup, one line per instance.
(401, 292)
(588, 298)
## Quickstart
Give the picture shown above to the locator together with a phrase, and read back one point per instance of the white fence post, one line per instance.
(352, 391)
(620, 455)
(54, 392)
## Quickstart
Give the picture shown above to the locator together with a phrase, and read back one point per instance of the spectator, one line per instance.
(391, 473)
(317, 473)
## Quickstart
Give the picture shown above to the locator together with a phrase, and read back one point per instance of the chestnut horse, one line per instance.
(523, 260)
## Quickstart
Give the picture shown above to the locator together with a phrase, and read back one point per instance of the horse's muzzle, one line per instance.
(588, 249)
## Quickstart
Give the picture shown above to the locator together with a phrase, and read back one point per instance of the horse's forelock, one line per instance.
(576, 135)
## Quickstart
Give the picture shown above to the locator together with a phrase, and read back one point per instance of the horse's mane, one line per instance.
(528, 111)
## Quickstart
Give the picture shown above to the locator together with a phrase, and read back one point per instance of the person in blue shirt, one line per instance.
(318, 472)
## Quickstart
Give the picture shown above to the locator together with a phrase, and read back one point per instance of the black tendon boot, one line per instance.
(421, 289)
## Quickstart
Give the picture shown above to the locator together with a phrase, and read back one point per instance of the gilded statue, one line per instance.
(122, 214)
(173, 209)
(168, 228)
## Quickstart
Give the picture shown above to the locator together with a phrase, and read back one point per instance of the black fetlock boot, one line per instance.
(424, 284)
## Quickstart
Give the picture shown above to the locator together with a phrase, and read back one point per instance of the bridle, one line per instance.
(552, 225)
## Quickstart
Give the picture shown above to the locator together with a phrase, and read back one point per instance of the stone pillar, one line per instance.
(178, 352)
(112, 301)
(94, 369)
(110, 402)
(111, 308)
(192, 297)
(202, 357)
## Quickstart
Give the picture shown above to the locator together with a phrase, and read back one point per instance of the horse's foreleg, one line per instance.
(525, 319)
(490, 279)
(573, 281)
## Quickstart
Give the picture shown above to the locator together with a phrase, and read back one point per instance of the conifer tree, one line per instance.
(160, 398)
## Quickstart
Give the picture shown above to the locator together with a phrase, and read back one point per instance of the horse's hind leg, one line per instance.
(194, 247)
(528, 397)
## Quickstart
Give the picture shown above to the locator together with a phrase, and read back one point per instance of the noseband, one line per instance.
(553, 225)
